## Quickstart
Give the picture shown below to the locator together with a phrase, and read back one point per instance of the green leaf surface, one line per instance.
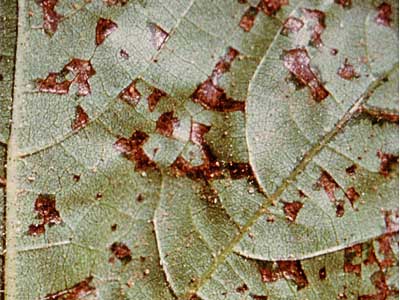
(200, 149)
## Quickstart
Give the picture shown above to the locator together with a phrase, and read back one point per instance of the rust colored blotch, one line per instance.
(347, 71)
(45, 206)
(124, 54)
(349, 255)
(130, 94)
(388, 163)
(379, 115)
(211, 169)
(50, 85)
(166, 123)
(115, 2)
(243, 288)
(328, 184)
(50, 17)
(297, 62)
(291, 25)
(121, 251)
(351, 170)
(82, 70)
(81, 119)
(318, 19)
(210, 95)
(259, 297)
(339, 208)
(291, 209)
(158, 36)
(132, 149)
(352, 195)
(384, 14)
(248, 18)
(103, 29)
(77, 292)
(290, 270)
(197, 133)
(270, 7)
(240, 170)
(322, 273)
(344, 3)
(154, 98)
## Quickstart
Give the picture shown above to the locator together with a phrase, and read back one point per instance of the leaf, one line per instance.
(145, 157)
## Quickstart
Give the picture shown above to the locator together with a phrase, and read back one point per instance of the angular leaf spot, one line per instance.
(81, 119)
(384, 14)
(103, 29)
(50, 17)
(45, 206)
(77, 292)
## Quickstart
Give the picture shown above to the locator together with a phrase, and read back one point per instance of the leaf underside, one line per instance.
(199, 149)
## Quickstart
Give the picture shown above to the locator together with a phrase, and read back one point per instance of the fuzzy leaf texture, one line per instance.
(199, 149)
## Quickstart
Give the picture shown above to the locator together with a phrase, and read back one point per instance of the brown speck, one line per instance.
(124, 54)
(139, 198)
(271, 7)
(50, 17)
(154, 98)
(388, 163)
(322, 273)
(114, 227)
(81, 119)
(115, 2)
(344, 3)
(146, 272)
(352, 195)
(132, 149)
(248, 18)
(76, 177)
(297, 62)
(334, 51)
(339, 208)
(77, 292)
(291, 25)
(290, 270)
(166, 123)
(45, 206)
(291, 209)
(347, 71)
(351, 170)
(243, 288)
(82, 70)
(318, 19)
(103, 29)
(121, 251)
(130, 94)
(99, 195)
(158, 35)
(384, 14)
(270, 219)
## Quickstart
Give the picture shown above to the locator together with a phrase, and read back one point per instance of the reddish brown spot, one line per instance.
(240, 170)
(45, 206)
(124, 54)
(103, 29)
(158, 36)
(210, 95)
(50, 17)
(78, 292)
(339, 208)
(317, 17)
(197, 133)
(76, 177)
(301, 194)
(115, 2)
(351, 170)
(210, 169)
(243, 288)
(140, 198)
(130, 94)
(334, 51)
(154, 98)
(3, 181)
(378, 115)
(322, 273)
(350, 254)
(82, 70)
(292, 25)
(114, 227)
(81, 119)
(270, 7)
(328, 184)
(248, 18)
(132, 149)
(121, 251)
(352, 195)
(347, 71)
(297, 62)
(166, 123)
(259, 297)
(291, 209)
(384, 14)
(344, 3)
(290, 270)
(388, 162)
